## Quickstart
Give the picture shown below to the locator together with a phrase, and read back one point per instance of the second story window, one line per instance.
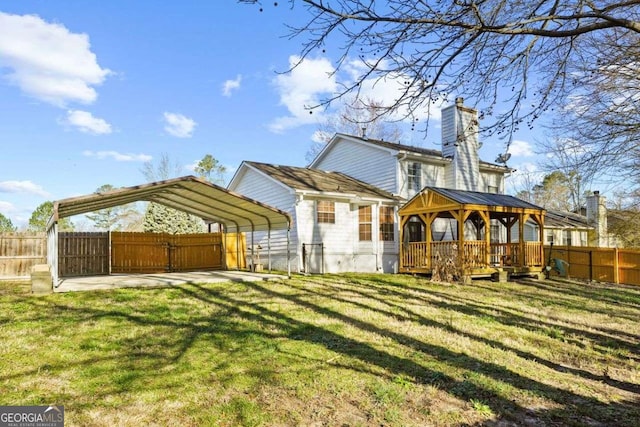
(326, 211)
(414, 176)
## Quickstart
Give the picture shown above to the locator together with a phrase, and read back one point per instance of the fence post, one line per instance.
(616, 272)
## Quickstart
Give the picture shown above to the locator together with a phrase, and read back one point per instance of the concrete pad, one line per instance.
(41, 279)
(156, 280)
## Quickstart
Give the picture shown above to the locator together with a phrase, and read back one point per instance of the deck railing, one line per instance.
(417, 255)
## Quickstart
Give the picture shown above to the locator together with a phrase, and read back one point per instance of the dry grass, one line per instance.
(328, 350)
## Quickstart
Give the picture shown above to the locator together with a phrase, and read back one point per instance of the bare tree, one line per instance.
(601, 118)
(164, 169)
(513, 59)
(356, 117)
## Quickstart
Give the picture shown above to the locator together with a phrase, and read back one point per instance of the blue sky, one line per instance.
(90, 91)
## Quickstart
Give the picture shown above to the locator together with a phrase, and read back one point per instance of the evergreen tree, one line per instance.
(209, 168)
(6, 225)
(42, 214)
(162, 219)
(112, 218)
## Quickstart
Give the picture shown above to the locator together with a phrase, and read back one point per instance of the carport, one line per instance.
(214, 204)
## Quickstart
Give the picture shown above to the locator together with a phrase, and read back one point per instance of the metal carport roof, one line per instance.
(189, 194)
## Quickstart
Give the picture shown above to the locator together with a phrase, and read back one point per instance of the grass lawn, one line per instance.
(335, 350)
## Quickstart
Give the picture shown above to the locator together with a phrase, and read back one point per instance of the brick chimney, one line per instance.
(597, 218)
(460, 143)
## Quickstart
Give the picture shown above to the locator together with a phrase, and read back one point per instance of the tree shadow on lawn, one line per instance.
(616, 295)
(136, 360)
(409, 315)
(577, 406)
(183, 335)
(604, 339)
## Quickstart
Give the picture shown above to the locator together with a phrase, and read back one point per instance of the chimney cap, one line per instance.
(596, 192)
(459, 101)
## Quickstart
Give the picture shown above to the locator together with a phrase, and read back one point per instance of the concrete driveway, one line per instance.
(115, 281)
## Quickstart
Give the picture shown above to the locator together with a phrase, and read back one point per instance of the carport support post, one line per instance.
(253, 266)
(289, 251)
(269, 247)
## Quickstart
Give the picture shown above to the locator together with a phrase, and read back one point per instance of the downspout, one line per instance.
(289, 250)
(378, 241)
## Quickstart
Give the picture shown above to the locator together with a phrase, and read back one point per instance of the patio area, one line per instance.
(115, 281)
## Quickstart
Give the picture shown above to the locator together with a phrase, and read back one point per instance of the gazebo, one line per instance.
(484, 232)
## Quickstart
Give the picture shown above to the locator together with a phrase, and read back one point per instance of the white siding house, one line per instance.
(405, 170)
(340, 224)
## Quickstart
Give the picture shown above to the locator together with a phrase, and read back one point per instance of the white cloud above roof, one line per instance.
(519, 148)
(47, 61)
(119, 157)
(302, 88)
(179, 125)
(26, 187)
(85, 122)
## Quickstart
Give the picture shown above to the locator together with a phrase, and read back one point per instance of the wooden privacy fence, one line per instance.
(601, 264)
(83, 254)
(21, 251)
(162, 252)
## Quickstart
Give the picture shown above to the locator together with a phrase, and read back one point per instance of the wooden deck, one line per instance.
(519, 258)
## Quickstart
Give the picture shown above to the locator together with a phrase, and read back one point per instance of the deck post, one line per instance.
(522, 260)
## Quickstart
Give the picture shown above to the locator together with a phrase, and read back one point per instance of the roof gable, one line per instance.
(315, 180)
(394, 148)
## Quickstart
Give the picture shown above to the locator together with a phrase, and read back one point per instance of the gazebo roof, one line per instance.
(439, 199)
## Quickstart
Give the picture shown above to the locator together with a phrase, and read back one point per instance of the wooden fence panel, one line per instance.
(19, 252)
(629, 266)
(602, 264)
(235, 246)
(83, 254)
(202, 251)
(162, 252)
(139, 252)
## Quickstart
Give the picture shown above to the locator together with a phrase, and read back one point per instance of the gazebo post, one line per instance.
(486, 218)
(461, 218)
(521, 219)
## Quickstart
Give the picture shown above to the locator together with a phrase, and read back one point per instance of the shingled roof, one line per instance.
(486, 199)
(413, 149)
(307, 179)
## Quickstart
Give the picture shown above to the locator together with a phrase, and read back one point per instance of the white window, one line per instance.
(549, 237)
(492, 189)
(326, 212)
(414, 176)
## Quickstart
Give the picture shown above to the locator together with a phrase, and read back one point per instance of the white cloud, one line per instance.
(47, 61)
(178, 125)
(231, 85)
(526, 175)
(6, 208)
(86, 122)
(386, 90)
(314, 79)
(519, 148)
(302, 88)
(119, 157)
(22, 187)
